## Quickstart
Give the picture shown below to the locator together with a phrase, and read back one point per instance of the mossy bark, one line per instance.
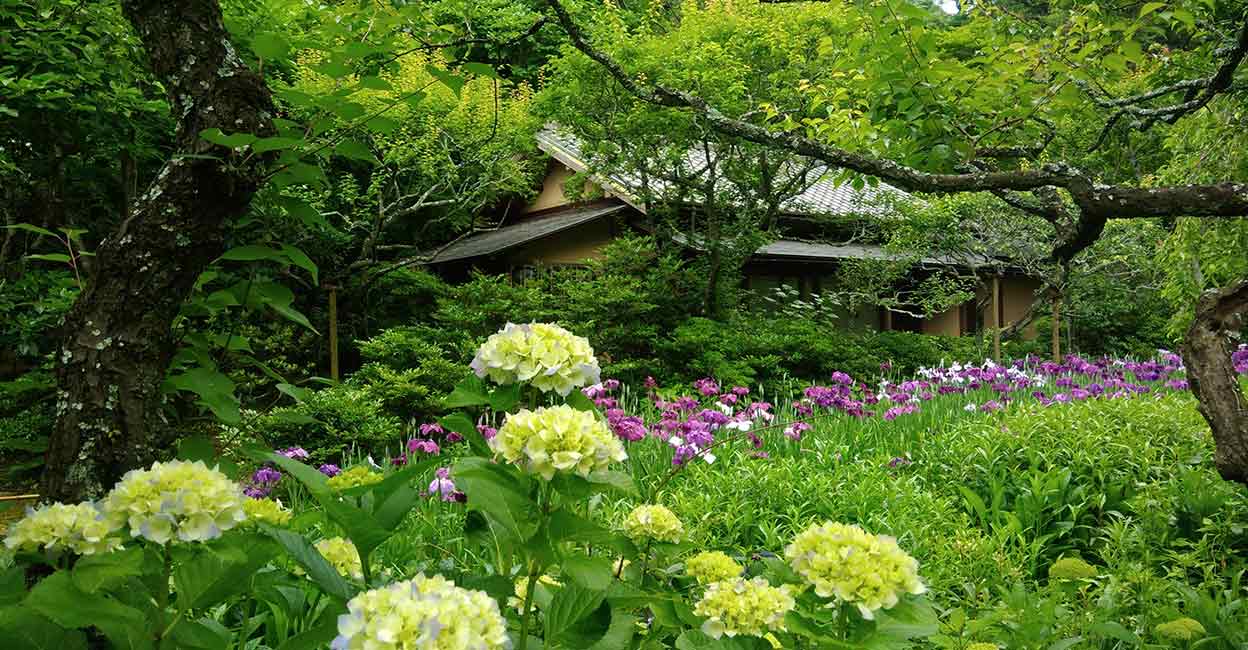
(118, 340)
(1207, 352)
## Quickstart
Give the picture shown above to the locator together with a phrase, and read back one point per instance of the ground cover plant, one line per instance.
(1030, 504)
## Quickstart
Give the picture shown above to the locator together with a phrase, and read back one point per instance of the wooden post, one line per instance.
(1056, 329)
(333, 332)
(996, 318)
(888, 319)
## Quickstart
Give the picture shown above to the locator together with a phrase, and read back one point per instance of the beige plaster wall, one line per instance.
(552, 194)
(946, 323)
(571, 246)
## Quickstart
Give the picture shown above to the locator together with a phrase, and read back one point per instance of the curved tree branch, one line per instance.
(1207, 352)
(1096, 202)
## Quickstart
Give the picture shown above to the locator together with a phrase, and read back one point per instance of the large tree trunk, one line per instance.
(118, 343)
(1207, 352)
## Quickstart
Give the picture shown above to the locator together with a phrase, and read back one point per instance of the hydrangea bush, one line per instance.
(181, 555)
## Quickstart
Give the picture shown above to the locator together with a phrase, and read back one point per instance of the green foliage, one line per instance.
(30, 307)
(330, 423)
(406, 373)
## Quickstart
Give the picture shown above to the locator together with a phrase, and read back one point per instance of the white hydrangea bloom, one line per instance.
(548, 356)
(422, 613)
(82, 529)
(557, 439)
(182, 500)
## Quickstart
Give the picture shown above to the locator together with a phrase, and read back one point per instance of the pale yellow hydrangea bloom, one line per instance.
(557, 439)
(421, 613)
(82, 529)
(712, 566)
(845, 562)
(740, 606)
(342, 555)
(547, 356)
(982, 645)
(177, 499)
(1181, 629)
(653, 522)
(354, 477)
(269, 511)
(522, 585)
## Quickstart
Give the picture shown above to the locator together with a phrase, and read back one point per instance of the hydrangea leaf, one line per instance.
(220, 571)
(202, 634)
(313, 638)
(22, 627)
(319, 569)
(497, 493)
(577, 616)
(469, 392)
(589, 572)
(12, 585)
(105, 570)
(57, 598)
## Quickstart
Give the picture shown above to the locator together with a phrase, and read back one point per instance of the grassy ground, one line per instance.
(987, 502)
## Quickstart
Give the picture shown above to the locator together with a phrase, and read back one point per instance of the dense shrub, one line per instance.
(331, 422)
(407, 372)
(766, 350)
(30, 308)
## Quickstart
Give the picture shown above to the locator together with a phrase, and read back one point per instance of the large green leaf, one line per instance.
(275, 143)
(202, 634)
(107, 570)
(214, 573)
(469, 392)
(355, 150)
(280, 298)
(611, 480)
(233, 140)
(318, 568)
(215, 390)
(269, 45)
(57, 598)
(498, 492)
(301, 260)
(505, 398)
(566, 526)
(577, 617)
(50, 257)
(619, 634)
(196, 448)
(589, 572)
(315, 638)
(12, 586)
(910, 618)
(22, 627)
(448, 79)
(30, 227)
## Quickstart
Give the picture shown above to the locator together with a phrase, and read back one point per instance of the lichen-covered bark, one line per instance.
(117, 343)
(1207, 352)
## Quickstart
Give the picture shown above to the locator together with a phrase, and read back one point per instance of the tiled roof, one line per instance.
(527, 229)
(822, 197)
(800, 250)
